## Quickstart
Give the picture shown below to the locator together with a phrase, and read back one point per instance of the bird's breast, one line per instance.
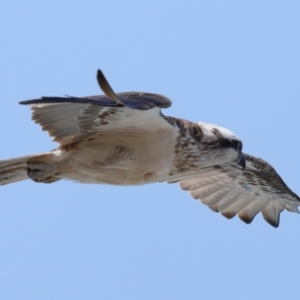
(131, 158)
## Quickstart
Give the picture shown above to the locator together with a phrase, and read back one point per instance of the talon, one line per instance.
(42, 172)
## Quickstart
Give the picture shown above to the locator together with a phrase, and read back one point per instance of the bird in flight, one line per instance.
(124, 139)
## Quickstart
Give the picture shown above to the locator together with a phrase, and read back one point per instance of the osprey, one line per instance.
(124, 139)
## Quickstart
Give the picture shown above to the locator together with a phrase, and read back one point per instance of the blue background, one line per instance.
(232, 63)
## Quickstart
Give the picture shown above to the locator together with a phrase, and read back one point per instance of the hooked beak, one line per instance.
(242, 160)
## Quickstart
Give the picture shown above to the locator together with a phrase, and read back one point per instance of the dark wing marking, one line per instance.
(229, 190)
(267, 173)
(133, 100)
(69, 119)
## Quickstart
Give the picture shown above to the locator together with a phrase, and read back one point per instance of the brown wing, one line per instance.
(229, 190)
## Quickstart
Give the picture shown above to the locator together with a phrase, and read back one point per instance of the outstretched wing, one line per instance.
(230, 190)
(69, 119)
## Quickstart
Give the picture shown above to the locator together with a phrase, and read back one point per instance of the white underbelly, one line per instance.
(123, 160)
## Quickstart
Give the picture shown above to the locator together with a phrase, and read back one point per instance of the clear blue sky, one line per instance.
(232, 63)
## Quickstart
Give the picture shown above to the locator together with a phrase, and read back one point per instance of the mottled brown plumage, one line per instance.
(124, 139)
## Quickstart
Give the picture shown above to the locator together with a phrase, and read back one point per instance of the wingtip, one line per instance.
(106, 88)
(272, 218)
(247, 218)
(99, 75)
(100, 78)
(273, 223)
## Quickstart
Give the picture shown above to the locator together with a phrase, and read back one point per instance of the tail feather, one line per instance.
(15, 169)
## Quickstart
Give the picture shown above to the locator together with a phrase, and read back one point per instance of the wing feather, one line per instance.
(230, 190)
(229, 199)
(70, 119)
(241, 202)
(271, 214)
(217, 195)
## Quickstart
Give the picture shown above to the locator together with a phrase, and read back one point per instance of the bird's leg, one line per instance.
(42, 172)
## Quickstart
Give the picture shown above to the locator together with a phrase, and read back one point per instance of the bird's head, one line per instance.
(218, 137)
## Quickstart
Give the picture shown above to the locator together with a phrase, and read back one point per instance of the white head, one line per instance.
(219, 137)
